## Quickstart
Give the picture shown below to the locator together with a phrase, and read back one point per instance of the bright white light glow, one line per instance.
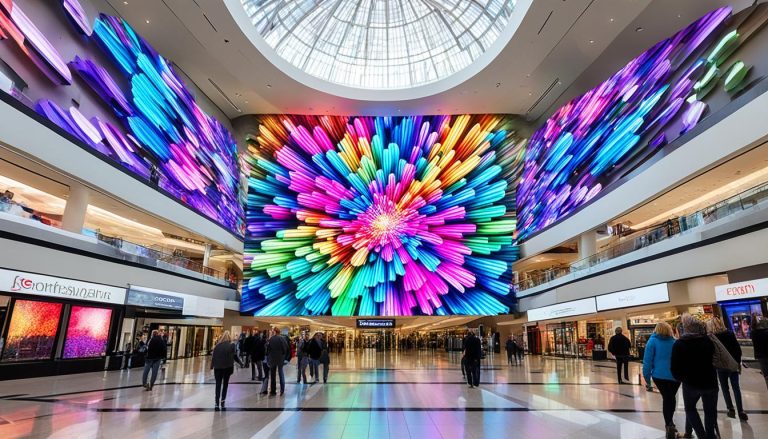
(380, 44)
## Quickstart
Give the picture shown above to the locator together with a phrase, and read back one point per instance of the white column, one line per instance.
(207, 254)
(587, 244)
(76, 208)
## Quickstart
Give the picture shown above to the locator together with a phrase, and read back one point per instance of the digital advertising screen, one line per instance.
(377, 216)
(87, 332)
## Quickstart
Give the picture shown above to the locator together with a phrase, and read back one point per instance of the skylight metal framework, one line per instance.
(380, 44)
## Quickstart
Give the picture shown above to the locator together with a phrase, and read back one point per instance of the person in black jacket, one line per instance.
(473, 352)
(223, 361)
(728, 339)
(511, 348)
(619, 346)
(157, 350)
(314, 349)
(692, 365)
(249, 346)
(759, 335)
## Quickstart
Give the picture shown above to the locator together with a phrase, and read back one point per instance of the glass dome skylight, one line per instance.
(380, 44)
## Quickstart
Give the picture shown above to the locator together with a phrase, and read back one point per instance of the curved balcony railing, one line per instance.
(657, 233)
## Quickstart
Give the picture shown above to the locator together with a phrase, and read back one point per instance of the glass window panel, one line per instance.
(380, 43)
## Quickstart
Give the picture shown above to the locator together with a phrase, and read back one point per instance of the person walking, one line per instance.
(520, 349)
(259, 353)
(657, 367)
(277, 350)
(223, 361)
(325, 357)
(249, 344)
(716, 327)
(619, 346)
(759, 335)
(301, 357)
(314, 351)
(157, 350)
(691, 364)
(510, 348)
(473, 352)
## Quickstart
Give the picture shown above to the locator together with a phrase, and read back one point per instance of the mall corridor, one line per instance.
(419, 395)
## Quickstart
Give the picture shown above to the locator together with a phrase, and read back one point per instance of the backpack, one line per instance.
(721, 358)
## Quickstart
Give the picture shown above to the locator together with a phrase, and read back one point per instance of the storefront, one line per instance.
(741, 304)
(559, 338)
(51, 325)
(189, 324)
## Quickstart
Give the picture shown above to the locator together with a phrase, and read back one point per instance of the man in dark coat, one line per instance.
(473, 352)
(619, 347)
(157, 350)
(277, 350)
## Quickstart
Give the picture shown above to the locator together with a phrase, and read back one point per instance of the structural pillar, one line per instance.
(587, 244)
(207, 254)
(76, 208)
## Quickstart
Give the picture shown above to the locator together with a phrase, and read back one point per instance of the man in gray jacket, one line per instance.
(277, 349)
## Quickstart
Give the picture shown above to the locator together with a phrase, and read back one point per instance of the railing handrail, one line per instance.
(659, 232)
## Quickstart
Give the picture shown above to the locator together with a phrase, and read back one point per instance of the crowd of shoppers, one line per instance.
(701, 356)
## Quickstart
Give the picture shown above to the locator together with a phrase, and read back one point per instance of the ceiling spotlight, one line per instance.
(498, 84)
(639, 29)
(147, 21)
(125, 3)
(611, 20)
(591, 41)
(269, 85)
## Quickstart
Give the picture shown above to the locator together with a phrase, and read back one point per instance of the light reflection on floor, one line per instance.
(369, 395)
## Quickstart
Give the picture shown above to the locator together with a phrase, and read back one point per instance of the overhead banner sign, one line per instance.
(151, 299)
(658, 293)
(376, 323)
(742, 290)
(565, 309)
(49, 286)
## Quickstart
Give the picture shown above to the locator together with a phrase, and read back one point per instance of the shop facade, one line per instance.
(52, 325)
(742, 304)
(190, 325)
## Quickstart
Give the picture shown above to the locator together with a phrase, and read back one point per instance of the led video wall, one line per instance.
(602, 135)
(381, 215)
(32, 331)
(87, 332)
(149, 122)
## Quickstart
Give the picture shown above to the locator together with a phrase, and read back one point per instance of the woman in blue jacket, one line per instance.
(656, 365)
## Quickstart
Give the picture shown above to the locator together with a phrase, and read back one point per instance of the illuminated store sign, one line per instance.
(658, 293)
(40, 285)
(565, 309)
(154, 300)
(742, 290)
(375, 323)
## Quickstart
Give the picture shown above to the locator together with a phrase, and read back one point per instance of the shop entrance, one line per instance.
(561, 339)
(383, 340)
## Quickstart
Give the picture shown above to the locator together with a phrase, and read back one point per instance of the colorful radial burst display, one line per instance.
(381, 215)
(601, 136)
(87, 333)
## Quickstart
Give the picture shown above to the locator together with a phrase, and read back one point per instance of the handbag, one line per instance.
(722, 359)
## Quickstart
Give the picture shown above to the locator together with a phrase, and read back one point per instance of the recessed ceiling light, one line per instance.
(611, 20)
(269, 85)
(498, 84)
(639, 29)
(147, 21)
(125, 3)
(530, 93)
(591, 41)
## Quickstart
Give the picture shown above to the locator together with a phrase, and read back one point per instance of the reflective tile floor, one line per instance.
(369, 395)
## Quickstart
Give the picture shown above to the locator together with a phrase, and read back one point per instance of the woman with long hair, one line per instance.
(656, 367)
(223, 361)
(716, 327)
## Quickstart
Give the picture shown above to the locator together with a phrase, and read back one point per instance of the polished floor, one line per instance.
(368, 395)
